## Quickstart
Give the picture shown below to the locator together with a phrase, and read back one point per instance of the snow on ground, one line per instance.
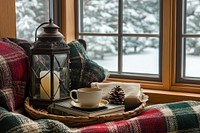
(147, 62)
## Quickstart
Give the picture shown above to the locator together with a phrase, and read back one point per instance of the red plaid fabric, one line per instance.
(144, 123)
(181, 117)
(14, 74)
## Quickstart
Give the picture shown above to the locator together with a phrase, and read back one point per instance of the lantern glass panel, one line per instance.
(40, 68)
(61, 66)
(42, 76)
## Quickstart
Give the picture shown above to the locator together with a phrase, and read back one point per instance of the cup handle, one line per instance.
(71, 92)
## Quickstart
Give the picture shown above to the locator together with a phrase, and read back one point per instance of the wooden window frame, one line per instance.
(181, 36)
(159, 92)
(7, 18)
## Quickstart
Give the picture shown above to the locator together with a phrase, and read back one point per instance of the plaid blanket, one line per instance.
(14, 74)
(181, 117)
(16, 123)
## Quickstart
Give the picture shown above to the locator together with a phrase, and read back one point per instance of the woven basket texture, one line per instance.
(79, 121)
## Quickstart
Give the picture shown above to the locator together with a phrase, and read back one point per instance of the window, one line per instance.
(31, 13)
(188, 42)
(124, 36)
(154, 42)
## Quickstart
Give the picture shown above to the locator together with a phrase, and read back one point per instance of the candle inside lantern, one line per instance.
(45, 90)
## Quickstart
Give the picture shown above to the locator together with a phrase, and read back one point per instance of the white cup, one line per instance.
(87, 96)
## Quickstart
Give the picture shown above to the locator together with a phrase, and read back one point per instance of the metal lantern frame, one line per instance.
(50, 74)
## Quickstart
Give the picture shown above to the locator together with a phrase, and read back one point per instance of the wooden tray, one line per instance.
(78, 121)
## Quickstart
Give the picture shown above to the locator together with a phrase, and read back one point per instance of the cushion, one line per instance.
(25, 44)
(84, 71)
(14, 74)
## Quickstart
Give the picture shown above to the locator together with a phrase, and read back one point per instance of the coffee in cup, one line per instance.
(87, 96)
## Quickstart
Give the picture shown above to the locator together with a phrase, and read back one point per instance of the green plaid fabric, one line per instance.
(16, 123)
(84, 71)
(182, 116)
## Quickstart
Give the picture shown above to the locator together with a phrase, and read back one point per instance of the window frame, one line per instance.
(57, 12)
(181, 36)
(169, 89)
(119, 74)
(179, 85)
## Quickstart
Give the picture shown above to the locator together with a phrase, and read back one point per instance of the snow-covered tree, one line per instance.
(101, 16)
(30, 14)
(139, 17)
(193, 26)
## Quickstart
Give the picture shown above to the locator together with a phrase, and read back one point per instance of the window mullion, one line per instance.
(120, 38)
(183, 56)
(55, 12)
(167, 44)
(68, 19)
(51, 9)
(80, 16)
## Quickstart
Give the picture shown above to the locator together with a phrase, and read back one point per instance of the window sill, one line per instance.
(161, 96)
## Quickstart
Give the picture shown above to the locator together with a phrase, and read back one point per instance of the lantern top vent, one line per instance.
(50, 37)
(50, 32)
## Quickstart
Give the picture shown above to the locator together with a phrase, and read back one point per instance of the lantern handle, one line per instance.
(38, 28)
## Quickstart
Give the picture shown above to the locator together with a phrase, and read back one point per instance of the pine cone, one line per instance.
(116, 95)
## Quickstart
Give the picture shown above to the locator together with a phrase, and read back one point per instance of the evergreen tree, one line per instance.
(30, 14)
(139, 17)
(193, 26)
(100, 17)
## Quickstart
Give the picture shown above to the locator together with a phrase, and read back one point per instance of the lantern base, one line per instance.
(43, 104)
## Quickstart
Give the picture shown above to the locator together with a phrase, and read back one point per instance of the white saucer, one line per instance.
(101, 104)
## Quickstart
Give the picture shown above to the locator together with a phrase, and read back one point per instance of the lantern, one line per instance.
(50, 80)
